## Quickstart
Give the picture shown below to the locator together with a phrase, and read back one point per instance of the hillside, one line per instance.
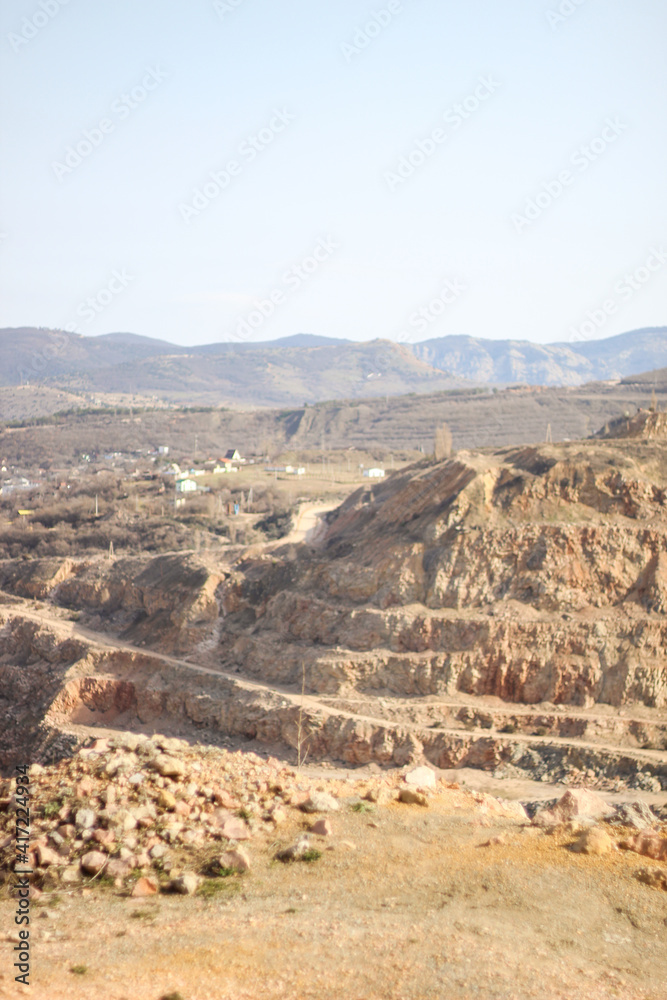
(259, 758)
(477, 418)
(567, 363)
(309, 368)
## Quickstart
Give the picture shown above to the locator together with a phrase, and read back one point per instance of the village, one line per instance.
(166, 496)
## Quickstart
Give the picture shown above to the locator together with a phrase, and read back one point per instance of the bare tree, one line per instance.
(443, 442)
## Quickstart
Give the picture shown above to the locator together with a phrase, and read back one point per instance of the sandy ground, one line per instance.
(407, 905)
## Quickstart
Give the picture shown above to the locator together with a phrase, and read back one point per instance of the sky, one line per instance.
(220, 170)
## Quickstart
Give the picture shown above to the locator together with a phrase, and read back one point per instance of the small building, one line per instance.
(163, 449)
(374, 473)
(185, 486)
(233, 455)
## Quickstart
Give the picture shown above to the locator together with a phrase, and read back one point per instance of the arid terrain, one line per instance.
(497, 617)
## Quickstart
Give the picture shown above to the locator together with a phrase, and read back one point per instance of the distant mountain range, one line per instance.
(308, 368)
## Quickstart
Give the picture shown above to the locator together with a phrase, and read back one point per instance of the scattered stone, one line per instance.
(106, 838)
(594, 841)
(574, 803)
(169, 767)
(421, 777)
(412, 798)
(237, 860)
(495, 841)
(119, 868)
(296, 850)
(650, 843)
(67, 831)
(635, 814)
(94, 862)
(46, 856)
(322, 828)
(235, 829)
(85, 819)
(277, 815)
(70, 875)
(185, 885)
(320, 802)
(145, 886)
(655, 877)
(380, 795)
(166, 799)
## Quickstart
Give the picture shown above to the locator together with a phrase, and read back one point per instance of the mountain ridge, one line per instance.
(307, 367)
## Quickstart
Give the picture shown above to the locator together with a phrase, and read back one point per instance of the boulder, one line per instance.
(85, 819)
(655, 877)
(235, 829)
(320, 802)
(421, 777)
(45, 856)
(185, 885)
(575, 802)
(145, 886)
(635, 814)
(322, 828)
(94, 862)
(412, 798)
(237, 860)
(650, 843)
(169, 767)
(594, 841)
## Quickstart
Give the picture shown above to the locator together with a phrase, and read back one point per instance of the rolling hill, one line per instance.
(308, 368)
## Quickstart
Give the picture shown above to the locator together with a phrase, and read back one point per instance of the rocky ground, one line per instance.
(211, 874)
(498, 614)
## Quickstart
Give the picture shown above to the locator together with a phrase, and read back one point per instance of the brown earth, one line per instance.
(501, 611)
(459, 897)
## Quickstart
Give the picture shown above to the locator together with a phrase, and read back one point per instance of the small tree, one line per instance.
(443, 442)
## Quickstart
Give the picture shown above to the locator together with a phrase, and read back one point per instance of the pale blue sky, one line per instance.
(218, 77)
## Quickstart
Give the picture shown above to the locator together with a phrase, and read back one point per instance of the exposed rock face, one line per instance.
(535, 575)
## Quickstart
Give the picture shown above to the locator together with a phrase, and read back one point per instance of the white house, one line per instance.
(374, 473)
(185, 486)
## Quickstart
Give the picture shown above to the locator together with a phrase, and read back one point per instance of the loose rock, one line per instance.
(412, 798)
(421, 777)
(185, 885)
(93, 862)
(320, 802)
